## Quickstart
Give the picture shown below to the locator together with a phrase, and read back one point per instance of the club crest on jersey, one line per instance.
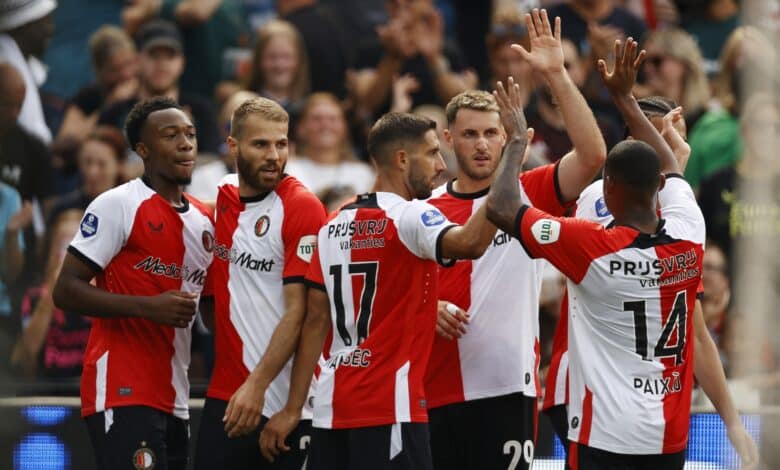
(432, 218)
(546, 231)
(208, 241)
(601, 208)
(89, 225)
(306, 246)
(262, 225)
(143, 458)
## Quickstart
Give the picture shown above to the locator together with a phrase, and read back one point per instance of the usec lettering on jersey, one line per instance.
(663, 386)
(677, 265)
(356, 358)
(244, 259)
(156, 266)
(361, 228)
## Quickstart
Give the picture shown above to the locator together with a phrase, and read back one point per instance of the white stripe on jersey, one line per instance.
(100, 384)
(402, 412)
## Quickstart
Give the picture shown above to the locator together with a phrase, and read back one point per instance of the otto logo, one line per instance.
(262, 225)
(89, 225)
(143, 458)
(601, 208)
(432, 218)
(306, 246)
(546, 231)
(208, 241)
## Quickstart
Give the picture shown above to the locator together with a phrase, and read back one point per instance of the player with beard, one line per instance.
(483, 369)
(266, 227)
(373, 283)
(148, 247)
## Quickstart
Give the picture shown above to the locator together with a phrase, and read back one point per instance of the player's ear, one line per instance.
(142, 150)
(401, 159)
(448, 137)
(232, 146)
(661, 182)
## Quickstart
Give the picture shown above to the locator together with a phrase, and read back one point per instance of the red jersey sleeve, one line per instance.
(304, 215)
(542, 188)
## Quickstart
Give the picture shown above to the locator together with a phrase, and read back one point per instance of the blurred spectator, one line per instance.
(657, 14)
(732, 216)
(472, 23)
(100, 160)
(280, 66)
(710, 22)
(13, 219)
(551, 141)
(325, 154)
(161, 65)
(115, 63)
(207, 175)
(593, 25)
(717, 293)
(65, 170)
(25, 29)
(747, 62)
(52, 343)
(508, 28)
(328, 48)
(412, 43)
(673, 68)
(24, 159)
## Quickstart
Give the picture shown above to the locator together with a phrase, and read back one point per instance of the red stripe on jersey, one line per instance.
(574, 458)
(587, 417)
(560, 346)
(444, 375)
(537, 360)
(229, 370)
(677, 405)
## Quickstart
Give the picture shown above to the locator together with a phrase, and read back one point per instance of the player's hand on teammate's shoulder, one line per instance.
(245, 408)
(620, 81)
(173, 308)
(276, 431)
(451, 320)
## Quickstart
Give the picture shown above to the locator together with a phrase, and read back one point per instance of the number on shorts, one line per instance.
(303, 445)
(526, 450)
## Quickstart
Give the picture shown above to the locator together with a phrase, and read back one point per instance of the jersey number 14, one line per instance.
(676, 321)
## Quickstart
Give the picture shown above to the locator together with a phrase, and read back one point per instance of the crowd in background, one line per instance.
(70, 73)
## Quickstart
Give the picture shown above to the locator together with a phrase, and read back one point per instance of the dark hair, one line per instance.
(635, 164)
(137, 118)
(396, 130)
(653, 106)
(112, 137)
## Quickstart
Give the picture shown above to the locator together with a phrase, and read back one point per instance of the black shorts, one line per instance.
(140, 438)
(401, 446)
(588, 458)
(559, 417)
(214, 449)
(496, 432)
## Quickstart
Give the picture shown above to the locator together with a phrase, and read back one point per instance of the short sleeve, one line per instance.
(314, 277)
(421, 228)
(103, 231)
(542, 188)
(680, 210)
(304, 215)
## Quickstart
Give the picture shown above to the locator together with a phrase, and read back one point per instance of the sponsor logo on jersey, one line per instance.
(89, 225)
(208, 241)
(601, 208)
(501, 238)
(143, 458)
(355, 358)
(155, 228)
(662, 271)
(262, 225)
(432, 218)
(663, 386)
(362, 228)
(546, 231)
(306, 246)
(243, 259)
(156, 266)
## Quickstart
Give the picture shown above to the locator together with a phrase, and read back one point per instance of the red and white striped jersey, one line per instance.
(142, 246)
(261, 243)
(376, 259)
(631, 297)
(590, 206)
(499, 354)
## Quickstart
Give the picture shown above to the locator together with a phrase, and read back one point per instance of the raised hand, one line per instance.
(621, 80)
(672, 132)
(546, 54)
(510, 106)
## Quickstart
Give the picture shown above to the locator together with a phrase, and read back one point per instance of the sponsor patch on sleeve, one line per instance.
(306, 246)
(601, 208)
(546, 231)
(89, 225)
(432, 218)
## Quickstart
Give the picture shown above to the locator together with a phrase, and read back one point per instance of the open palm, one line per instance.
(546, 53)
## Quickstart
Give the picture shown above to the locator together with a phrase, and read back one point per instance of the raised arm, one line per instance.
(620, 82)
(470, 240)
(577, 168)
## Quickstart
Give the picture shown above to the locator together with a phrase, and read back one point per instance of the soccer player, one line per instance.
(631, 289)
(708, 370)
(487, 378)
(148, 246)
(265, 234)
(373, 284)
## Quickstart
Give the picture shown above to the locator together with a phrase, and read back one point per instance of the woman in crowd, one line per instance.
(326, 157)
(114, 61)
